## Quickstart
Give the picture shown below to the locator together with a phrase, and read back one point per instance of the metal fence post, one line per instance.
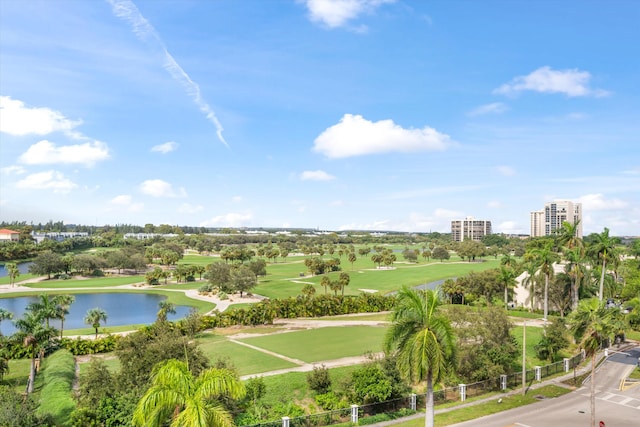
(538, 370)
(503, 382)
(354, 414)
(463, 392)
(285, 421)
(413, 401)
(566, 364)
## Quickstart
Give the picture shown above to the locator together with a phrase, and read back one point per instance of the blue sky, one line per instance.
(336, 114)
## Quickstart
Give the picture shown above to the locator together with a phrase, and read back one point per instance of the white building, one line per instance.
(469, 229)
(549, 219)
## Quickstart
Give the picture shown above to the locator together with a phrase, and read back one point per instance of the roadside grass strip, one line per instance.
(484, 408)
(315, 345)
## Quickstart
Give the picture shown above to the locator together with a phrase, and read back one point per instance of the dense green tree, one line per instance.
(20, 411)
(242, 279)
(555, 339)
(440, 253)
(422, 339)
(177, 397)
(507, 278)
(48, 263)
(63, 304)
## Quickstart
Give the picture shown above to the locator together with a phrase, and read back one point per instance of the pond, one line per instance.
(121, 309)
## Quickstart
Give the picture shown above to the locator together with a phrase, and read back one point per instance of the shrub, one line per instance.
(319, 379)
(330, 401)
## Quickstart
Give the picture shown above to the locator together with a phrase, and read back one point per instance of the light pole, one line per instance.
(524, 360)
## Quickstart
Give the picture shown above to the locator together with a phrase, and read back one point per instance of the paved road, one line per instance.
(614, 407)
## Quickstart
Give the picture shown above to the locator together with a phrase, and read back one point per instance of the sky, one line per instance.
(338, 115)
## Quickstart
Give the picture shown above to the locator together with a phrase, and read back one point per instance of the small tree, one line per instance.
(319, 379)
(94, 318)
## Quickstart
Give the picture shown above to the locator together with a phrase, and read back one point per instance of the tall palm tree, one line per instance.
(603, 248)
(507, 277)
(529, 281)
(176, 396)
(544, 258)
(422, 339)
(34, 335)
(95, 317)
(591, 324)
(63, 303)
(12, 271)
(574, 267)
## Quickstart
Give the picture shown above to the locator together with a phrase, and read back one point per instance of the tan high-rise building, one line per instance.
(549, 219)
(469, 229)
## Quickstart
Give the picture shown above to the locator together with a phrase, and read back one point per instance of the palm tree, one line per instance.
(94, 318)
(544, 258)
(166, 308)
(46, 307)
(422, 339)
(568, 235)
(176, 396)
(591, 325)
(603, 248)
(574, 268)
(12, 271)
(507, 277)
(33, 335)
(63, 303)
(530, 280)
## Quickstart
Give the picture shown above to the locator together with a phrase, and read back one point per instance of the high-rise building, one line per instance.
(549, 219)
(469, 229)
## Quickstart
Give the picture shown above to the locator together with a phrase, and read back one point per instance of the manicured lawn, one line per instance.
(109, 359)
(382, 317)
(18, 374)
(246, 360)
(315, 345)
(533, 336)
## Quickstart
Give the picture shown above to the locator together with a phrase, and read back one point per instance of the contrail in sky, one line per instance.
(127, 11)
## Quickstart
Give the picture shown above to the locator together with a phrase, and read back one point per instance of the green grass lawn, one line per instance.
(533, 336)
(314, 345)
(18, 374)
(109, 359)
(246, 360)
(97, 282)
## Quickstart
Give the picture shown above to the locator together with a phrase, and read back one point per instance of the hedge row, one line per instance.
(55, 397)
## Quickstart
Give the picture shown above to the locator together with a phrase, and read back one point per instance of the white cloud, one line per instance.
(127, 11)
(318, 175)
(48, 180)
(13, 170)
(237, 199)
(356, 136)
(160, 188)
(125, 201)
(337, 203)
(45, 153)
(544, 79)
(506, 170)
(597, 202)
(165, 148)
(19, 120)
(336, 13)
(188, 208)
(230, 219)
(121, 200)
(493, 108)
